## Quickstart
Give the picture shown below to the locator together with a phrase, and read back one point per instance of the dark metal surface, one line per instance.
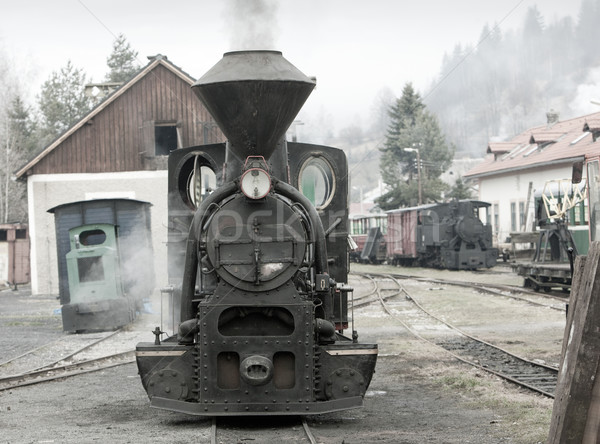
(262, 294)
(254, 96)
(447, 235)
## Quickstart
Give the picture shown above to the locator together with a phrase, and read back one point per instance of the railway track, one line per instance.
(509, 291)
(46, 355)
(261, 429)
(77, 354)
(469, 349)
(63, 371)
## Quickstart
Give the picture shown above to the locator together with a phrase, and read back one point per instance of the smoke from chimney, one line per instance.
(252, 24)
(552, 117)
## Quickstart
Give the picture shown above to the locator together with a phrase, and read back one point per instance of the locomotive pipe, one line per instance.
(190, 270)
(292, 193)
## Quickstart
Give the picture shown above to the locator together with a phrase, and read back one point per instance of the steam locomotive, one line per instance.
(445, 235)
(258, 265)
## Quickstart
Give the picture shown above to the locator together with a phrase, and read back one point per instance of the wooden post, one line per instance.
(576, 410)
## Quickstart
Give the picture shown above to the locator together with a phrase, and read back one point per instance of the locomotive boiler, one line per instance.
(260, 273)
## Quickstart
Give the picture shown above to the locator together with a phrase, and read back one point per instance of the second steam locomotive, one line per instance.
(445, 235)
(260, 272)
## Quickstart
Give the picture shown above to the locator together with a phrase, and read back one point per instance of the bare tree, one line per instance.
(14, 148)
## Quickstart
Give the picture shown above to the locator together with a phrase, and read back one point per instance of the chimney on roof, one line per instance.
(552, 117)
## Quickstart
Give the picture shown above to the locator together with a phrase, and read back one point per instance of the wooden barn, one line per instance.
(118, 150)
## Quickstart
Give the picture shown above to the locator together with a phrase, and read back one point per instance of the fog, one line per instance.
(508, 81)
(487, 69)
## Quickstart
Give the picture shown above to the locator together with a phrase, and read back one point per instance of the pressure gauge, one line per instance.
(256, 183)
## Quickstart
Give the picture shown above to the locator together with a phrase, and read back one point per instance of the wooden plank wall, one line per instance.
(576, 410)
(113, 140)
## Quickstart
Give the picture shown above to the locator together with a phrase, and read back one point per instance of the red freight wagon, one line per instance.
(402, 248)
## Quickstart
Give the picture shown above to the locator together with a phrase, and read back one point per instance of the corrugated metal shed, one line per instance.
(132, 218)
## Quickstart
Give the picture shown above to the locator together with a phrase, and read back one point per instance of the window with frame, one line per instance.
(513, 216)
(522, 215)
(166, 138)
(496, 217)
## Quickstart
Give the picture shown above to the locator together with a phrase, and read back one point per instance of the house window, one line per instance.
(496, 218)
(522, 215)
(165, 138)
(513, 216)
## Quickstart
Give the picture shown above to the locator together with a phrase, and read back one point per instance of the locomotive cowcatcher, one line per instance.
(263, 267)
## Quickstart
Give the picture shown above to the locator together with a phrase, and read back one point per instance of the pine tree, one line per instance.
(460, 190)
(122, 62)
(62, 101)
(23, 126)
(412, 126)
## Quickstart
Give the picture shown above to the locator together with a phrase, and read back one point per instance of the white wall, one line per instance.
(46, 191)
(500, 191)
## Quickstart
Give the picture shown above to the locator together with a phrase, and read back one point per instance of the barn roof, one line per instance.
(562, 142)
(152, 64)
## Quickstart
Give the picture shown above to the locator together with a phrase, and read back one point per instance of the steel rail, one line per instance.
(517, 379)
(495, 289)
(55, 342)
(76, 352)
(307, 431)
(78, 368)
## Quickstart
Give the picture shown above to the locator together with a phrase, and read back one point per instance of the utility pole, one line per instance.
(416, 150)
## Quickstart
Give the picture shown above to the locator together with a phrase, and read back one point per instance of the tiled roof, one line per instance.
(592, 125)
(563, 142)
(500, 147)
(545, 137)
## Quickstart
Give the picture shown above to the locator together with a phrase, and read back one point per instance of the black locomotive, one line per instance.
(258, 264)
(445, 235)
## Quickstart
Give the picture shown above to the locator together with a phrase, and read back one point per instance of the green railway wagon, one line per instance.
(98, 300)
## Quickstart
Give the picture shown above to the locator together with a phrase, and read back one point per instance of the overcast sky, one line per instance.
(354, 47)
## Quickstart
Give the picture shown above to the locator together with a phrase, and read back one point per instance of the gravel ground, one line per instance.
(417, 395)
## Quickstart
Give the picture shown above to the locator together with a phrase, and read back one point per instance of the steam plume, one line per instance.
(252, 24)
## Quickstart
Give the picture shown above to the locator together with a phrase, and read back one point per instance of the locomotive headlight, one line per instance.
(256, 183)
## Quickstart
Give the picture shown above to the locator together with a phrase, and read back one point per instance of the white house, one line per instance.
(515, 169)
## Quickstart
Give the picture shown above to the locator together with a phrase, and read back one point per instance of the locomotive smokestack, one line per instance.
(254, 96)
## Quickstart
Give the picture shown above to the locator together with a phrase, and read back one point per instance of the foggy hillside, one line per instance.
(492, 90)
(507, 82)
